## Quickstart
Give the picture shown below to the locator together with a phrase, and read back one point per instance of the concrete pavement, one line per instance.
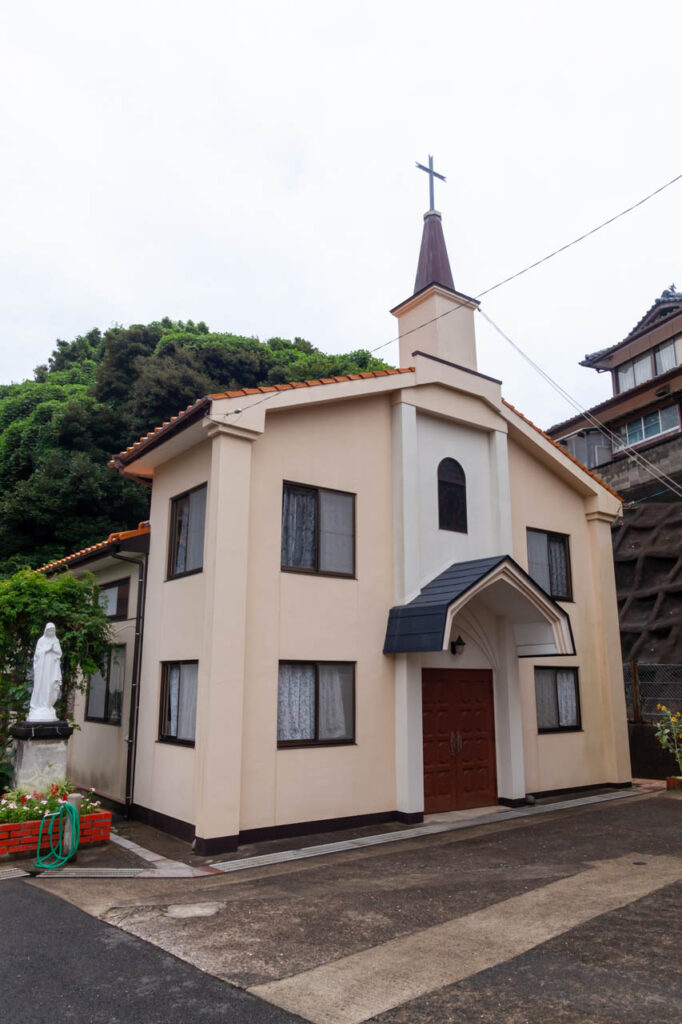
(418, 931)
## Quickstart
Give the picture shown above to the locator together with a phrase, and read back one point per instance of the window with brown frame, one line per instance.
(318, 530)
(105, 691)
(177, 719)
(557, 700)
(452, 497)
(114, 598)
(186, 542)
(315, 703)
(549, 563)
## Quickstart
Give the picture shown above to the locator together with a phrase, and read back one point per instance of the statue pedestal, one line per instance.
(40, 758)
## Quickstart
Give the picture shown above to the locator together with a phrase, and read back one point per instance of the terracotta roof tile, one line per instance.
(113, 538)
(244, 392)
(562, 450)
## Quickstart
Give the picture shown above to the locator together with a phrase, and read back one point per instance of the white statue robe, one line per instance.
(47, 677)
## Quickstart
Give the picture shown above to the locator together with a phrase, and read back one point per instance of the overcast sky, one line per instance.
(252, 165)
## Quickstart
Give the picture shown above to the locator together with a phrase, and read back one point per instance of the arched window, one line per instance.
(452, 497)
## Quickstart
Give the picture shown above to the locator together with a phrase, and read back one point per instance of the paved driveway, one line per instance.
(568, 917)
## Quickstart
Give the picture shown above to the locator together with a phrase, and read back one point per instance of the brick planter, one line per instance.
(22, 837)
(674, 782)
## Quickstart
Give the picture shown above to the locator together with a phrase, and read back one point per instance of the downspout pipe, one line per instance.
(131, 740)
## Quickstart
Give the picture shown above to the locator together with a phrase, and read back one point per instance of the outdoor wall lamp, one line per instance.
(457, 646)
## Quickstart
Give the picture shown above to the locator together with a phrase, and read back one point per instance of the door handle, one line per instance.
(453, 745)
(459, 742)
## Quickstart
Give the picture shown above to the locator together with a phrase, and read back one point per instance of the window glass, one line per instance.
(316, 703)
(548, 563)
(97, 696)
(108, 599)
(336, 702)
(452, 497)
(296, 702)
(652, 424)
(556, 699)
(336, 532)
(299, 527)
(635, 432)
(179, 701)
(665, 357)
(105, 692)
(643, 368)
(188, 521)
(538, 558)
(626, 377)
(669, 418)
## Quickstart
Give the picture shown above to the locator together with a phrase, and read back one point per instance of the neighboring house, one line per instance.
(642, 440)
(367, 598)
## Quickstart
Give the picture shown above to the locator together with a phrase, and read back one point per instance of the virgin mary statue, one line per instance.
(47, 677)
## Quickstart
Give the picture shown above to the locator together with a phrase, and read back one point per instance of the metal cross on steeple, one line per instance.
(432, 174)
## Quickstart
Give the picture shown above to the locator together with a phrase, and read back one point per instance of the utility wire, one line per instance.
(640, 460)
(537, 263)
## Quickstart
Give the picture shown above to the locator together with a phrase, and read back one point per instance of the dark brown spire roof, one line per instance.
(434, 265)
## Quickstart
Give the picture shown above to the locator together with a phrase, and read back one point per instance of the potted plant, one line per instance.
(669, 735)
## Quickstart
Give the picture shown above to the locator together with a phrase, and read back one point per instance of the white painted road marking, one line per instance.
(357, 987)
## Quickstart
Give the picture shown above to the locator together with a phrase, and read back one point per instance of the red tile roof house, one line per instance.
(357, 599)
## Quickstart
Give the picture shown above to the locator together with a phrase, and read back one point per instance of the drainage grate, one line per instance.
(92, 873)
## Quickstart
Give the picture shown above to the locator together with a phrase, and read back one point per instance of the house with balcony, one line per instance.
(633, 441)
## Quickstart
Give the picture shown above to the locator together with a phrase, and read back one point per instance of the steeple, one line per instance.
(436, 320)
(434, 265)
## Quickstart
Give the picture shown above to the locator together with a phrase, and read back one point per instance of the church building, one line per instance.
(357, 599)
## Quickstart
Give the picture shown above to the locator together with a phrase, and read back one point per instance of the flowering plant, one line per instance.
(669, 733)
(18, 806)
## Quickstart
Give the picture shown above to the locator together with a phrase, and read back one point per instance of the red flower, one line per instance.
(23, 799)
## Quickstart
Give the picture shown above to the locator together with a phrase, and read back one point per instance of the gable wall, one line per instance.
(560, 760)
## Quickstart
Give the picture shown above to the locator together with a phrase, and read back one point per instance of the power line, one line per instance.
(537, 263)
(640, 460)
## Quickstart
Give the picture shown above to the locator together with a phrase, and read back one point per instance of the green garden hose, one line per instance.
(56, 858)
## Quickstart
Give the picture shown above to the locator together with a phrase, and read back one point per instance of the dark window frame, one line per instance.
(163, 703)
(565, 539)
(172, 536)
(302, 570)
(106, 720)
(441, 496)
(576, 677)
(123, 595)
(316, 742)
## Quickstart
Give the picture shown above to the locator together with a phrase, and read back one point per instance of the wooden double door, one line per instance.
(459, 739)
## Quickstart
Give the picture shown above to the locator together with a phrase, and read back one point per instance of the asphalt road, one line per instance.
(58, 964)
(571, 918)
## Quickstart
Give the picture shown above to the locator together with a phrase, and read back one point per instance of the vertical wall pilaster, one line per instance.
(409, 752)
(511, 776)
(499, 474)
(608, 675)
(405, 502)
(221, 665)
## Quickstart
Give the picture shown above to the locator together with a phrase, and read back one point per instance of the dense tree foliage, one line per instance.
(95, 395)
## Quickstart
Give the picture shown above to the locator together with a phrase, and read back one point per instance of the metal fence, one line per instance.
(649, 685)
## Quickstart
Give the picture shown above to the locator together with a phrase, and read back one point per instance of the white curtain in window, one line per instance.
(558, 570)
(566, 698)
(670, 419)
(336, 702)
(643, 369)
(626, 377)
(195, 531)
(173, 697)
(538, 564)
(187, 701)
(665, 357)
(336, 532)
(296, 702)
(299, 528)
(546, 699)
